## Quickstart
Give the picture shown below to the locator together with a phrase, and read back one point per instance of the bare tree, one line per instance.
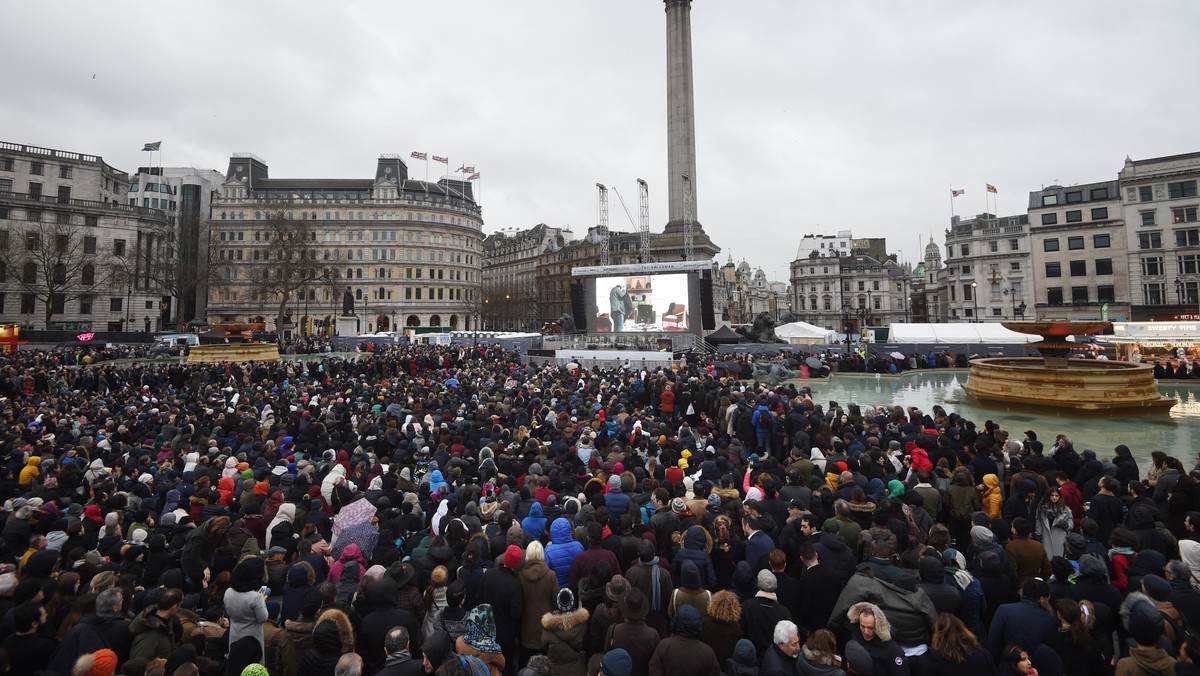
(288, 262)
(177, 275)
(56, 263)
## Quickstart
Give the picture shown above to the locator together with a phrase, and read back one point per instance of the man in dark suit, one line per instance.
(819, 586)
(758, 544)
(1025, 623)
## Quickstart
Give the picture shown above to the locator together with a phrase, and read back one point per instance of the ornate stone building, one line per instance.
(409, 252)
(73, 254)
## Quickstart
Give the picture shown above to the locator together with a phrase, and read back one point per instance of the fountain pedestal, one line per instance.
(1056, 381)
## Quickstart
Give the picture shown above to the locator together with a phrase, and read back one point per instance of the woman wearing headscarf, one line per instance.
(974, 602)
(480, 638)
(280, 532)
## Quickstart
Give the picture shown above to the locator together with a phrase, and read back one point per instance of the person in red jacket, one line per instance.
(666, 402)
(1071, 496)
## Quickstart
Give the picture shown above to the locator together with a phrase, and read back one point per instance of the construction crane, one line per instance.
(644, 219)
(602, 230)
(687, 218)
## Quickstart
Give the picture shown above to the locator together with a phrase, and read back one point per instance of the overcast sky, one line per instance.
(810, 116)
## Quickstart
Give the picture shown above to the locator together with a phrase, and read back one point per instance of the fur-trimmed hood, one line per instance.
(345, 629)
(883, 629)
(565, 621)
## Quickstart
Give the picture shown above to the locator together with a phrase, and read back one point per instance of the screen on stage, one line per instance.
(645, 303)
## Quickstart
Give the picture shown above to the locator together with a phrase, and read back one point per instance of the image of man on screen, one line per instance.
(619, 305)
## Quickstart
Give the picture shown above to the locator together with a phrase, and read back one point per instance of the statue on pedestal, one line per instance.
(347, 303)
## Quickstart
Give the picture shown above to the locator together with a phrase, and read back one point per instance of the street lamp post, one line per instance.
(907, 302)
(975, 300)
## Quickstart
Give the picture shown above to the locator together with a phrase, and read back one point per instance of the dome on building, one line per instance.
(743, 267)
(918, 272)
(932, 249)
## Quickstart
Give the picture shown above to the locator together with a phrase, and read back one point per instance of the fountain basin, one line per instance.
(1084, 385)
(234, 352)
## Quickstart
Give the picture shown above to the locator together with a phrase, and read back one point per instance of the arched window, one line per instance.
(358, 294)
(88, 274)
(435, 321)
(412, 320)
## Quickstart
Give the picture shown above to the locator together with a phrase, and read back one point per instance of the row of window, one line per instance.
(59, 273)
(1154, 266)
(1076, 196)
(352, 216)
(232, 295)
(1081, 295)
(359, 236)
(1075, 216)
(62, 243)
(1183, 237)
(37, 189)
(1178, 215)
(993, 246)
(1013, 266)
(1155, 293)
(1078, 268)
(1077, 242)
(37, 167)
(60, 217)
(58, 304)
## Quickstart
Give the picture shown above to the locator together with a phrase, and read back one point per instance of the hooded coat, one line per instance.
(563, 549)
(911, 613)
(300, 581)
(350, 553)
(993, 498)
(963, 498)
(696, 545)
(539, 588)
(534, 525)
(283, 521)
(332, 637)
(684, 653)
(376, 625)
(563, 637)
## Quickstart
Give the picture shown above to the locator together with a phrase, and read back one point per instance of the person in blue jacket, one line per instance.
(562, 550)
(534, 525)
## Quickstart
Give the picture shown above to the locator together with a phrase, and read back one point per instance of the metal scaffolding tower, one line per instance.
(644, 219)
(602, 230)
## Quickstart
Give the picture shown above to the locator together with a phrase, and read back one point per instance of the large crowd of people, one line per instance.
(463, 511)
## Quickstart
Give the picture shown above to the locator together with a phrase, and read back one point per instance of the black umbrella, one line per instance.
(813, 362)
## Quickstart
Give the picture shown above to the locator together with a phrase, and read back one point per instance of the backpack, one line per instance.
(473, 666)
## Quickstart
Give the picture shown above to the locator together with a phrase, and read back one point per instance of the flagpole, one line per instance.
(952, 214)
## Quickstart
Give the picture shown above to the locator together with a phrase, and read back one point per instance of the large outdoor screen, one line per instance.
(641, 304)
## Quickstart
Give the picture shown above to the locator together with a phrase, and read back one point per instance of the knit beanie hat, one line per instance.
(616, 663)
(566, 601)
(103, 662)
(744, 654)
(513, 557)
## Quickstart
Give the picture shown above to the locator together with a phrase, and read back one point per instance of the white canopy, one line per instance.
(803, 333)
(961, 333)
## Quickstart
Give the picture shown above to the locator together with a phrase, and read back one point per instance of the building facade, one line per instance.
(847, 293)
(1078, 251)
(394, 252)
(988, 268)
(73, 254)
(554, 281)
(186, 194)
(927, 290)
(744, 294)
(510, 275)
(1162, 236)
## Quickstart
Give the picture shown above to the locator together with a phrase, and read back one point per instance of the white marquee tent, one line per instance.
(962, 333)
(803, 333)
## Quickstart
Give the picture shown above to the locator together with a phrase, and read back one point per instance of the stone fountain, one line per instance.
(1057, 381)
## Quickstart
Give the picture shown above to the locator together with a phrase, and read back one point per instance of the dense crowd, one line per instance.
(461, 511)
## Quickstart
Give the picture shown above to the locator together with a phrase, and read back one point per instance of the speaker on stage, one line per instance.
(579, 306)
(707, 320)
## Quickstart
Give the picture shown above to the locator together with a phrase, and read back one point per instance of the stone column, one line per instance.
(681, 119)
